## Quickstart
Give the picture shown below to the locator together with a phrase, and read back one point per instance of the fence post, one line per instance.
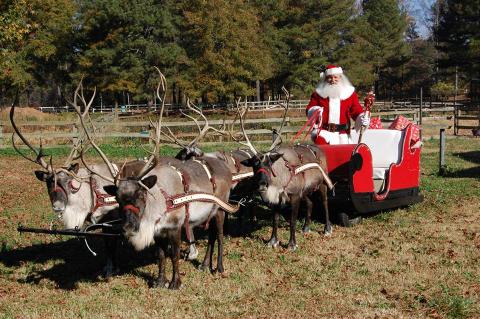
(441, 164)
(1, 135)
(421, 106)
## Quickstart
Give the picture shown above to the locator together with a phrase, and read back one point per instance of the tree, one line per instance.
(121, 41)
(224, 43)
(386, 48)
(35, 40)
(313, 32)
(458, 35)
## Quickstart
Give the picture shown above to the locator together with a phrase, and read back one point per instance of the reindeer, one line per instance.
(77, 195)
(287, 175)
(217, 161)
(166, 195)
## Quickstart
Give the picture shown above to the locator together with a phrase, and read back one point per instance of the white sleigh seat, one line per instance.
(385, 146)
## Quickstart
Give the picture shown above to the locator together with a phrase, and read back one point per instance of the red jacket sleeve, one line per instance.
(355, 107)
(314, 101)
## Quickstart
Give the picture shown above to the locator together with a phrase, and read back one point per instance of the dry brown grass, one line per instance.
(420, 262)
(26, 114)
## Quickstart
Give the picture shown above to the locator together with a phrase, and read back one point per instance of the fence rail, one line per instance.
(59, 131)
(255, 105)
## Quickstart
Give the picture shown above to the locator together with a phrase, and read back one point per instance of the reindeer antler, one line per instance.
(155, 157)
(79, 94)
(242, 125)
(278, 140)
(39, 153)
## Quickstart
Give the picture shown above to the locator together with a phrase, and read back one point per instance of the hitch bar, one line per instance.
(67, 232)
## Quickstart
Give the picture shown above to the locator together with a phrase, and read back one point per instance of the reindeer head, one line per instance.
(262, 163)
(263, 174)
(131, 195)
(60, 185)
(61, 182)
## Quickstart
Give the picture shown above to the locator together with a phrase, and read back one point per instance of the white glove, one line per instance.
(314, 110)
(365, 120)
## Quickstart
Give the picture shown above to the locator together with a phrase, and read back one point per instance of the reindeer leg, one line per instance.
(111, 267)
(207, 261)
(192, 249)
(308, 217)
(220, 220)
(328, 225)
(175, 237)
(273, 242)
(162, 245)
(292, 243)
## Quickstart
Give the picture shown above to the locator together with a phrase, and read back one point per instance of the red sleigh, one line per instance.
(380, 173)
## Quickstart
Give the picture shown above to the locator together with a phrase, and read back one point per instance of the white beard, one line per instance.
(342, 90)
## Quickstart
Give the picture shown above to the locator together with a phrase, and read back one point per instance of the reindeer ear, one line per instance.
(274, 156)
(149, 181)
(41, 175)
(183, 155)
(111, 189)
(74, 168)
(250, 162)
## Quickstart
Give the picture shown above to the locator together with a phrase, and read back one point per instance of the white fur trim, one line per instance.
(334, 71)
(334, 111)
(334, 138)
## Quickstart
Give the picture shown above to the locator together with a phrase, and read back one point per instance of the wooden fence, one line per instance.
(55, 133)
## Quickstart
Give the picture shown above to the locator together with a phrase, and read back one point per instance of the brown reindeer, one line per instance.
(166, 195)
(286, 176)
(217, 161)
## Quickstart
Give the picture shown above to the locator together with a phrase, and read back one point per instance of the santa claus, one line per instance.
(333, 103)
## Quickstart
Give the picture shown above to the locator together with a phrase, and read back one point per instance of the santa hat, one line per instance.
(333, 70)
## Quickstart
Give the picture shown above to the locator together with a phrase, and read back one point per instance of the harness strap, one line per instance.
(239, 177)
(310, 122)
(207, 170)
(101, 199)
(74, 188)
(134, 209)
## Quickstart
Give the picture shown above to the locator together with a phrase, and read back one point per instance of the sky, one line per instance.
(420, 10)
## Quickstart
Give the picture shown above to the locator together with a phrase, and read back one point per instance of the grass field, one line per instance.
(419, 262)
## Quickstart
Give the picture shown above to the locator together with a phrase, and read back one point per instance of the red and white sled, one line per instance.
(382, 172)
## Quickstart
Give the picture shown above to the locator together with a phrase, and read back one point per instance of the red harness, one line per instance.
(101, 199)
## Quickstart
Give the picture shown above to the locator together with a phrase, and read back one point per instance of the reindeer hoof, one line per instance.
(327, 231)
(306, 230)
(273, 243)
(192, 253)
(160, 283)
(292, 247)
(175, 284)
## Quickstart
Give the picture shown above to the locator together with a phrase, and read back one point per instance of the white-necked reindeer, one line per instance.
(286, 176)
(77, 195)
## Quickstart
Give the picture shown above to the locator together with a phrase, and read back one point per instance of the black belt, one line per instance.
(334, 127)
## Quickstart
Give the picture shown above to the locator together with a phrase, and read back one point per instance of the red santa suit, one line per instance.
(332, 123)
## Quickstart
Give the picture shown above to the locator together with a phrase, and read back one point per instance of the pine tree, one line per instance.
(312, 33)
(458, 35)
(121, 41)
(386, 48)
(35, 42)
(227, 50)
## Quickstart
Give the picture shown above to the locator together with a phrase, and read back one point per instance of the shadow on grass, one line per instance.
(472, 156)
(73, 262)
